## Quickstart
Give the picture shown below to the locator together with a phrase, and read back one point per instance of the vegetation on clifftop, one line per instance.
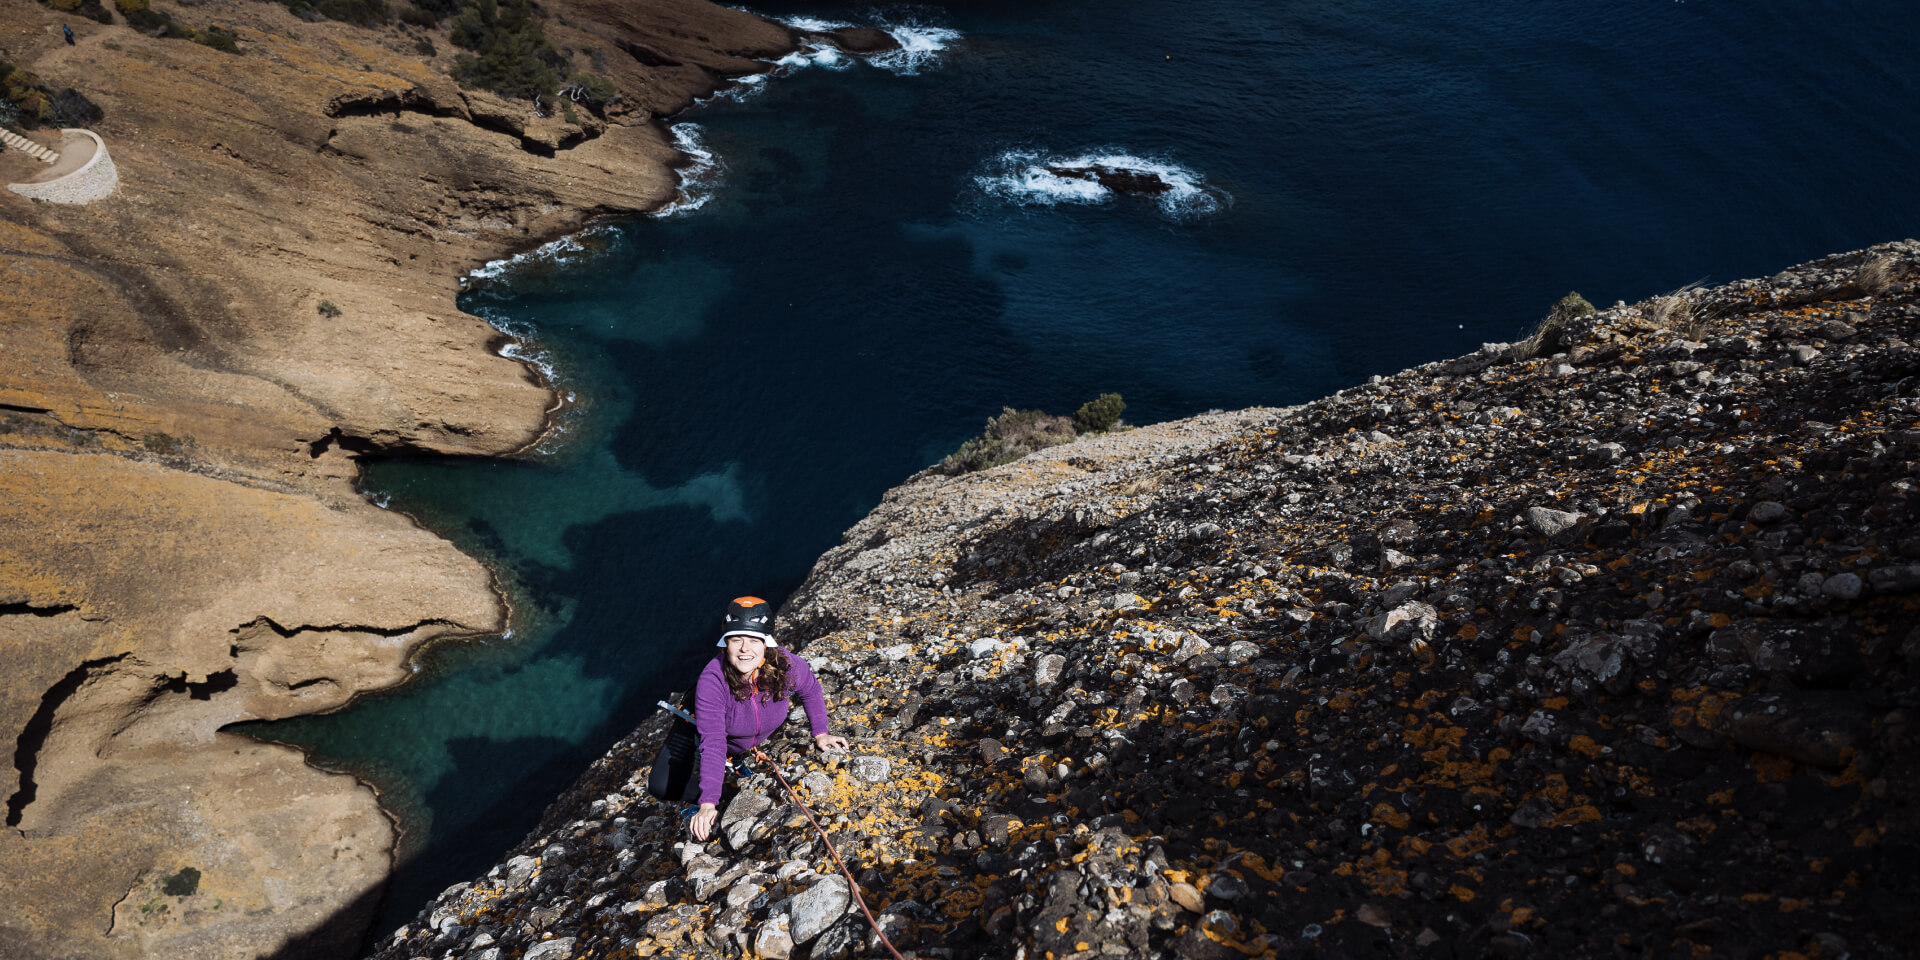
(504, 43)
(1015, 433)
(26, 102)
(91, 9)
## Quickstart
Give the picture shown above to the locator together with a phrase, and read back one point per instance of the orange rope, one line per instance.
(851, 883)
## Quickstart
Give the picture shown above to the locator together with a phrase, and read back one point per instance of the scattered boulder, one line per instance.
(818, 907)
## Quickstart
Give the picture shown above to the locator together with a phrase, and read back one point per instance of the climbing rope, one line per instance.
(851, 883)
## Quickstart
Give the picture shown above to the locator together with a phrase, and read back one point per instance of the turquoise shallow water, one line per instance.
(874, 260)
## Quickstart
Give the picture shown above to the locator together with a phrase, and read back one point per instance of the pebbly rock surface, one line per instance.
(1610, 652)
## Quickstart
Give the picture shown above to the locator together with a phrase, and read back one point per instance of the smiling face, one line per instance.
(745, 654)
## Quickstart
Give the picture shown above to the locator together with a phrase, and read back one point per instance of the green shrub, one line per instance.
(329, 309)
(30, 102)
(1008, 437)
(182, 884)
(366, 13)
(91, 9)
(1099, 414)
(510, 53)
(418, 17)
(141, 16)
(218, 38)
(425, 47)
(591, 89)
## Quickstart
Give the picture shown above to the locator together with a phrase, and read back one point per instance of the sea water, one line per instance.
(869, 258)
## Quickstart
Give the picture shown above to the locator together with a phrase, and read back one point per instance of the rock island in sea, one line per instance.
(1602, 643)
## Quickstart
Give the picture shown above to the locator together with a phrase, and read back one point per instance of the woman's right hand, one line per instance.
(702, 823)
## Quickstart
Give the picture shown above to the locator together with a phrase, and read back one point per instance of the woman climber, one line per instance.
(741, 698)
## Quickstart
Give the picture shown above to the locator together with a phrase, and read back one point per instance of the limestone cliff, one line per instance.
(1600, 645)
(188, 370)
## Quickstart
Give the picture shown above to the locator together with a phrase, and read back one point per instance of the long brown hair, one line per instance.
(771, 675)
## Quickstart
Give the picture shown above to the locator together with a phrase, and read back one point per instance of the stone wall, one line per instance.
(95, 181)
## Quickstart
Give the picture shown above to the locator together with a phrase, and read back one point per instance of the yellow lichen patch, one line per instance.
(1585, 813)
(1388, 814)
(1768, 768)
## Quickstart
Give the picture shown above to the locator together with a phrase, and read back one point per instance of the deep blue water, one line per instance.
(872, 271)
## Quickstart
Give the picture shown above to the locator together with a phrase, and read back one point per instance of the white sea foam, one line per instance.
(811, 55)
(561, 251)
(699, 178)
(523, 346)
(922, 46)
(1027, 177)
(806, 24)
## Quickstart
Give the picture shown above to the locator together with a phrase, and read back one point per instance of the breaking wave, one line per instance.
(923, 46)
(562, 252)
(700, 178)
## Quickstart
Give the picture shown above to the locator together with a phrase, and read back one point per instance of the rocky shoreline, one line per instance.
(1597, 645)
(193, 368)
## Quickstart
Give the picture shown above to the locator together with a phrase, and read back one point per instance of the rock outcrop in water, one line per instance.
(1123, 180)
(1605, 653)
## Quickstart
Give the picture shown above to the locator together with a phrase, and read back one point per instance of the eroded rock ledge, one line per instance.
(1607, 652)
(189, 371)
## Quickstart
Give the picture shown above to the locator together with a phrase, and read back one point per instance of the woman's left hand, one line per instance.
(828, 741)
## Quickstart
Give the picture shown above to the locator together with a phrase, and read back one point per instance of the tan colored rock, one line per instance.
(180, 544)
(1188, 897)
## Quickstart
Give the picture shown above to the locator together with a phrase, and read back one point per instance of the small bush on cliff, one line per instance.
(365, 13)
(1099, 414)
(1008, 437)
(219, 38)
(591, 89)
(25, 102)
(141, 16)
(183, 884)
(91, 9)
(1545, 340)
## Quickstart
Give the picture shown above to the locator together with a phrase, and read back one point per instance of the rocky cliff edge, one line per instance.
(1604, 651)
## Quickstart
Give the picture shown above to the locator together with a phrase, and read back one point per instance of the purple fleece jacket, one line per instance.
(733, 727)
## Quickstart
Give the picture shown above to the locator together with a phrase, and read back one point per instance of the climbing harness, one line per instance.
(852, 884)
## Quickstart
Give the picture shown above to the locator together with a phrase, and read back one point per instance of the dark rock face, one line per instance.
(1120, 180)
(1610, 652)
(861, 41)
